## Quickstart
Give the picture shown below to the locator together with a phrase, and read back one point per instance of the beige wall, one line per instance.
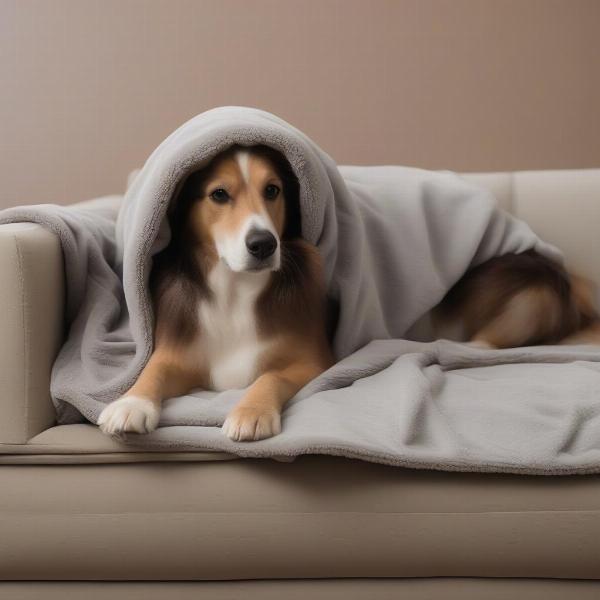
(89, 88)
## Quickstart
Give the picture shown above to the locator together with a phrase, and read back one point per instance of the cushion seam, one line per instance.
(25, 338)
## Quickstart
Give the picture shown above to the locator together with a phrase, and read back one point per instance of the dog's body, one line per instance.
(238, 298)
(240, 302)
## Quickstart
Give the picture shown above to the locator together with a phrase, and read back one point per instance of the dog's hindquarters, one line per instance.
(519, 300)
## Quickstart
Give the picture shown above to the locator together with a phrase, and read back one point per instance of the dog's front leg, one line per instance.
(138, 411)
(258, 414)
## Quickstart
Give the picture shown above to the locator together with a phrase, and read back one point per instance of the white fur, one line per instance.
(244, 423)
(243, 160)
(232, 248)
(130, 413)
(228, 340)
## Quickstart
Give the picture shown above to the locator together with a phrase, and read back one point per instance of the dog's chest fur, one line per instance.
(229, 342)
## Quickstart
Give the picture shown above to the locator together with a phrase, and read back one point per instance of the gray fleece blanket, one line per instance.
(393, 241)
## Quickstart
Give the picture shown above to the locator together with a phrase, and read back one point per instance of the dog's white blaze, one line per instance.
(228, 340)
(243, 160)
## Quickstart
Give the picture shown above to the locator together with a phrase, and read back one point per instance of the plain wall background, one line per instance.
(90, 87)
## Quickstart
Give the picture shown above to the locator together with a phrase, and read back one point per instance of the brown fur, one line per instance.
(290, 310)
(517, 300)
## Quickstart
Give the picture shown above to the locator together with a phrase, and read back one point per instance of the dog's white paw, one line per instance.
(249, 423)
(129, 414)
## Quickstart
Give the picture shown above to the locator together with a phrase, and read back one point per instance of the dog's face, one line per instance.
(240, 210)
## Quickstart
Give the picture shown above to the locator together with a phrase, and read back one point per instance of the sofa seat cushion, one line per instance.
(84, 443)
(315, 517)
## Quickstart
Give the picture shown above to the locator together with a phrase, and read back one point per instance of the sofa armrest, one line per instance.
(32, 293)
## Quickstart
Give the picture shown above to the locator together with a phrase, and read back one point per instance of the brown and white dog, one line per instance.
(239, 300)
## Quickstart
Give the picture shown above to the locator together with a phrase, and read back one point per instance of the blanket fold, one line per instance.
(393, 241)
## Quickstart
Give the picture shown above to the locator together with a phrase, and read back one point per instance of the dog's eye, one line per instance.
(220, 196)
(271, 192)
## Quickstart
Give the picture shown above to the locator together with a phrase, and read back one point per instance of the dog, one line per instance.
(240, 301)
(238, 298)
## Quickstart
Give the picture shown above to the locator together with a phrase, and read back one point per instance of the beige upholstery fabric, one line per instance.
(31, 322)
(316, 517)
(442, 588)
(563, 207)
(81, 443)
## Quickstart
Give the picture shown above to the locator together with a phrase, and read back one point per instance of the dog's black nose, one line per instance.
(261, 243)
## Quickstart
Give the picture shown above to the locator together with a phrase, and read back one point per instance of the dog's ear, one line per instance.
(186, 193)
(293, 214)
(291, 191)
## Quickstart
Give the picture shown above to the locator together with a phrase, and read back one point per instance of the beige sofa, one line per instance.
(78, 509)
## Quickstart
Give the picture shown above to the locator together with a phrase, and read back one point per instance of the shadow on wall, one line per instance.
(90, 87)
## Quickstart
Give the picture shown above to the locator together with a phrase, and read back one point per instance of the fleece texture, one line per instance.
(393, 241)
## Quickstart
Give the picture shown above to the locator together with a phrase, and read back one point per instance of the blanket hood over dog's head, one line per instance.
(393, 240)
(196, 142)
(142, 227)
